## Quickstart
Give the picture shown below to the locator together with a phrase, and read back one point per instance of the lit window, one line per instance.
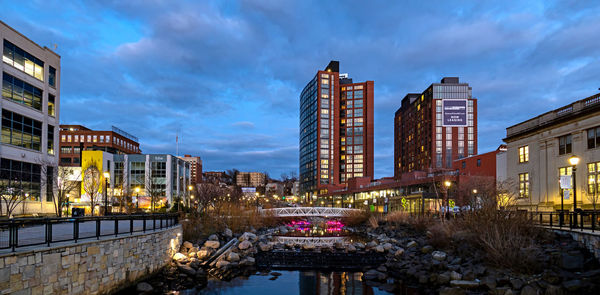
(524, 154)
(524, 185)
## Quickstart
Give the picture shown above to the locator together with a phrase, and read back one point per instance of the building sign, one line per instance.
(565, 181)
(454, 112)
(248, 190)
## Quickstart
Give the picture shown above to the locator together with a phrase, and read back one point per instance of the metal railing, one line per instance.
(24, 232)
(584, 220)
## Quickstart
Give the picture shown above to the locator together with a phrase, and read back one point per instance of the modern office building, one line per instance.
(336, 130)
(250, 179)
(434, 128)
(538, 152)
(195, 168)
(138, 176)
(30, 116)
(76, 138)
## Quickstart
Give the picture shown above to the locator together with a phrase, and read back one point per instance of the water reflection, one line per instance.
(293, 282)
(327, 228)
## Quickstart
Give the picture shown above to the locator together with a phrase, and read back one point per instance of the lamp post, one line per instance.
(474, 201)
(190, 188)
(137, 198)
(574, 160)
(106, 176)
(447, 185)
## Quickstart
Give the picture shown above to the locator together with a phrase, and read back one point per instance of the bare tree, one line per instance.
(63, 181)
(505, 196)
(593, 196)
(207, 196)
(12, 195)
(155, 190)
(92, 184)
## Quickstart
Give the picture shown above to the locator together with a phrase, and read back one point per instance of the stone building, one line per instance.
(538, 152)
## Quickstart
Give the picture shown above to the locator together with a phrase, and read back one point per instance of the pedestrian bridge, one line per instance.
(309, 212)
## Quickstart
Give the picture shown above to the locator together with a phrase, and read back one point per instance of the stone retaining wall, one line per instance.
(589, 240)
(91, 267)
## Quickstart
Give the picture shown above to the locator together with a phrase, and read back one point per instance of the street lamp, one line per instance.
(190, 188)
(137, 198)
(106, 176)
(447, 185)
(574, 160)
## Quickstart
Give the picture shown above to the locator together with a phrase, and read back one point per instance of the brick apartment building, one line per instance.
(195, 168)
(76, 138)
(434, 128)
(336, 130)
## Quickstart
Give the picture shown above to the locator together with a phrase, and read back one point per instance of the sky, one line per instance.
(225, 76)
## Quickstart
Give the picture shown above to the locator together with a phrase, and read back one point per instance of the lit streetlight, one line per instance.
(106, 176)
(574, 160)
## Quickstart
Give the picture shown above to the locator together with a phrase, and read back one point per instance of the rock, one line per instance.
(339, 245)
(359, 245)
(516, 283)
(203, 254)
(144, 287)
(553, 290)
(452, 291)
(572, 285)
(213, 237)
(244, 245)
(222, 263)
(192, 254)
(371, 274)
(233, 257)
(379, 249)
(381, 276)
(468, 275)
(572, 260)
(439, 255)
(212, 244)
(411, 244)
(387, 246)
(275, 274)
(186, 269)
(228, 233)
(455, 276)
(489, 282)
(529, 290)
(443, 278)
(308, 247)
(188, 245)
(371, 244)
(247, 261)
(181, 258)
(264, 247)
(195, 264)
(351, 248)
(423, 279)
(382, 268)
(248, 236)
(426, 249)
(399, 252)
(464, 284)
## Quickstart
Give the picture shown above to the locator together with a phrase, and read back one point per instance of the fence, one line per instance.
(24, 232)
(584, 220)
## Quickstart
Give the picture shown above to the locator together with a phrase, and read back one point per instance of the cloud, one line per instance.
(226, 76)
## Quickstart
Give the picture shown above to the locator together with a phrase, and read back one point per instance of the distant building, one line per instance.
(214, 177)
(336, 130)
(538, 152)
(31, 78)
(275, 188)
(76, 138)
(250, 179)
(479, 165)
(434, 128)
(165, 176)
(196, 168)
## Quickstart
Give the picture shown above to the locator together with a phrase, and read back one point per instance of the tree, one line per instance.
(207, 195)
(12, 195)
(155, 188)
(123, 195)
(231, 176)
(92, 184)
(593, 196)
(62, 181)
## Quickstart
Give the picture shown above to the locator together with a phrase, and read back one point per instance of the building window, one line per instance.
(593, 138)
(65, 160)
(23, 61)
(593, 178)
(21, 92)
(49, 184)
(50, 140)
(21, 131)
(21, 176)
(52, 76)
(524, 154)
(464, 164)
(65, 149)
(51, 108)
(478, 162)
(564, 145)
(524, 185)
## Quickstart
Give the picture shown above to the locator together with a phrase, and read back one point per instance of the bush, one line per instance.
(357, 218)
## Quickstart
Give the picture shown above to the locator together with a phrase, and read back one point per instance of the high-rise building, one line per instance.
(74, 139)
(195, 168)
(336, 130)
(435, 127)
(250, 179)
(30, 115)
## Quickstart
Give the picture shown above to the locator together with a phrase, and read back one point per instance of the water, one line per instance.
(292, 282)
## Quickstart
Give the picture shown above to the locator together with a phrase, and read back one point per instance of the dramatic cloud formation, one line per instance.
(225, 76)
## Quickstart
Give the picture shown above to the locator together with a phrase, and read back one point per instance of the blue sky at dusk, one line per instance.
(227, 75)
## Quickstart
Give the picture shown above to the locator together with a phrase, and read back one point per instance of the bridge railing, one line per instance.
(584, 220)
(309, 211)
(24, 232)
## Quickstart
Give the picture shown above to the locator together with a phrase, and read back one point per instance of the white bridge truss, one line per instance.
(309, 211)
(317, 241)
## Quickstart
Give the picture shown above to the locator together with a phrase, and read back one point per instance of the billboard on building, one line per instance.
(454, 112)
